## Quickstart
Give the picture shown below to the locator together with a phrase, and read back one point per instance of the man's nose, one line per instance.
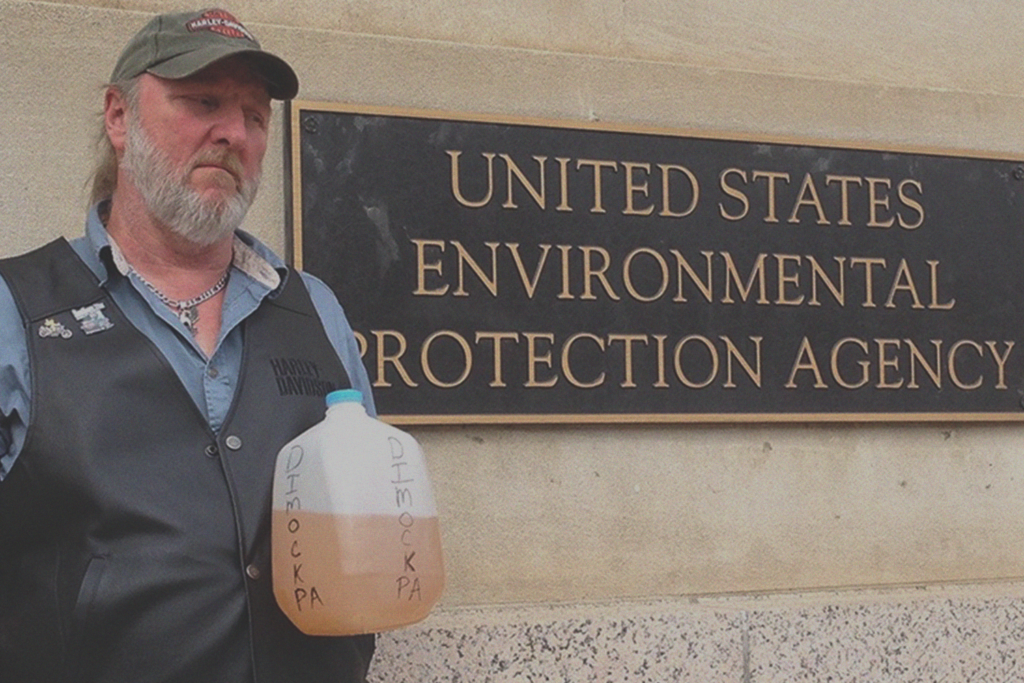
(230, 128)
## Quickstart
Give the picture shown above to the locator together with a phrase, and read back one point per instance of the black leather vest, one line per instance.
(134, 543)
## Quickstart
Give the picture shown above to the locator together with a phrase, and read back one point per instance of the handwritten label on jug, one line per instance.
(407, 583)
(304, 597)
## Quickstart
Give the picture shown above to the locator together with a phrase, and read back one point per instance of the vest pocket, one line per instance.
(80, 626)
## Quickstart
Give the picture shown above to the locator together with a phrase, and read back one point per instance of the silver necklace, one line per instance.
(186, 309)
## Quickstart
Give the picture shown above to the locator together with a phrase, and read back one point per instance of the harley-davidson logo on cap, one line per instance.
(220, 22)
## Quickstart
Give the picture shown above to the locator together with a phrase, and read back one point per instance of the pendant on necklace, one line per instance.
(189, 317)
(187, 310)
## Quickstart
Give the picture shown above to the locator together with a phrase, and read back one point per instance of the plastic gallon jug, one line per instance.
(354, 536)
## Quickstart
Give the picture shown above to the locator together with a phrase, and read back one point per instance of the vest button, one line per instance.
(233, 442)
(211, 451)
(252, 571)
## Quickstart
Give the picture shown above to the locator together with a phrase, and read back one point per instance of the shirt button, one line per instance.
(233, 442)
(211, 451)
(253, 572)
(212, 373)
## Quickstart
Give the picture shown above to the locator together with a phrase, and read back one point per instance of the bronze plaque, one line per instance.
(508, 270)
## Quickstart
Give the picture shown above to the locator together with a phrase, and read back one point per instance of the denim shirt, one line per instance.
(256, 273)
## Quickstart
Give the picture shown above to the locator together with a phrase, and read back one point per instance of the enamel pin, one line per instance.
(91, 319)
(52, 328)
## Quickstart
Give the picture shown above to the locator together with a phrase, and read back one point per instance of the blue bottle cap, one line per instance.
(344, 396)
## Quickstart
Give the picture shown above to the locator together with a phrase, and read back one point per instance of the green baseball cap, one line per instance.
(179, 45)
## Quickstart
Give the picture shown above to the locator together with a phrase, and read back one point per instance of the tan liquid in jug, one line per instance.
(369, 600)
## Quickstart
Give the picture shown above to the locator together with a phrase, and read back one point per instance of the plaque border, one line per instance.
(293, 211)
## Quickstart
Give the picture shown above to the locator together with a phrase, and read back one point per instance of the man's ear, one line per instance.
(115, 118)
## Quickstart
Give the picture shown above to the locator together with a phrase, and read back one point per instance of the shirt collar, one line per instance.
(251, 256)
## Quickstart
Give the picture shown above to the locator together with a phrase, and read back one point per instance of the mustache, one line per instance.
(225, 159)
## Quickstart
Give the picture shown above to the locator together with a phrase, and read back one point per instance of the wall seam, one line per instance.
(746, 646)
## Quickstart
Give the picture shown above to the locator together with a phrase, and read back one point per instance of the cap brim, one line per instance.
(282, 83)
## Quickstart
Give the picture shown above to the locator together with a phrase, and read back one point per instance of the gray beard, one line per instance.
(172, 202)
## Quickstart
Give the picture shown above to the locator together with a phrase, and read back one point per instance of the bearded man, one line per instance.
(140, 408)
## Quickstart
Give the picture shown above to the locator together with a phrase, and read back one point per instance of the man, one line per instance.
(142, 401)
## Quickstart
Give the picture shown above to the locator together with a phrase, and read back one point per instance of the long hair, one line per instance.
(104, 175)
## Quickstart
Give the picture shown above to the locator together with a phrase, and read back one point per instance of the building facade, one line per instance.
(763, 552)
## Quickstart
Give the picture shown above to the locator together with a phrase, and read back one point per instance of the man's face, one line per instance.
(195, 147)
